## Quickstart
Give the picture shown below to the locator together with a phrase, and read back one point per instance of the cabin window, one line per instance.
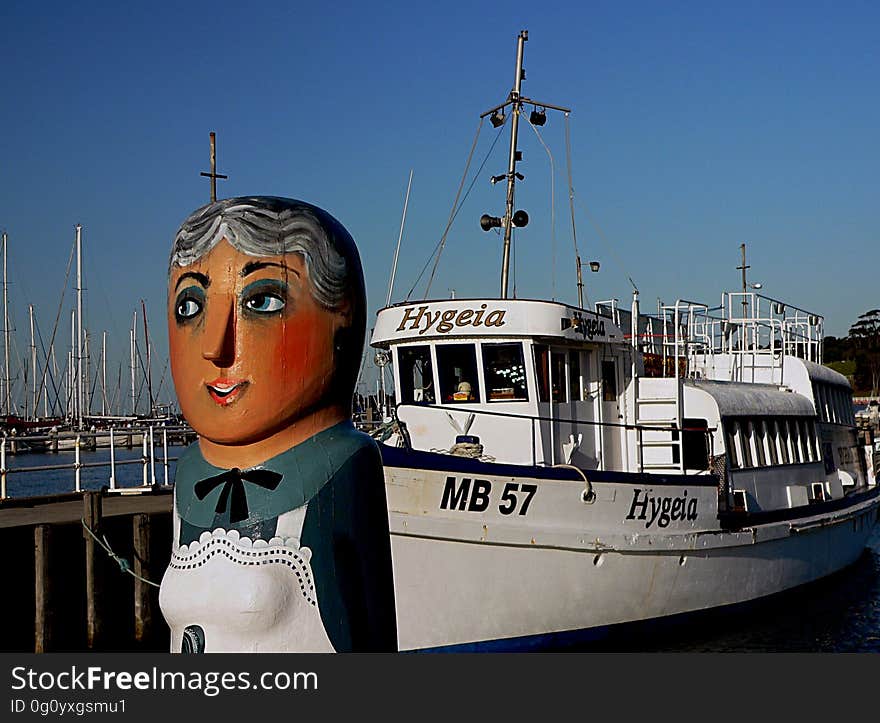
(760, 449)
(828, 456)
(457, 370)
(748, 443)
(730, 428)
(794, 434)
(559, 380)
(784, 449)
(609, 381)
(773, 455)
(542, 369)
(695, 443)
(804, 429)
(747, 434)
(416, 375)
(574, 376)
(811, 436)
(504, 370)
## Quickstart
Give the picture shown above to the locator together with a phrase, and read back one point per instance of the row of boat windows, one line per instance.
(834, 403)
(560, 375)
(767, 442)
(458, 380)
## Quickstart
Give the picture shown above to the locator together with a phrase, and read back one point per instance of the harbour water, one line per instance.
(130, 473)
(840, 614)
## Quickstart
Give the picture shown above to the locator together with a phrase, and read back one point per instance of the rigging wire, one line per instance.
(608, 245)
(438, 249)
(577, 254)
(55, 328)
(592, 221)
(552, 207)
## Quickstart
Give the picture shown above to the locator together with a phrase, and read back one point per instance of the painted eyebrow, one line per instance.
(249, 268)
(201, 278)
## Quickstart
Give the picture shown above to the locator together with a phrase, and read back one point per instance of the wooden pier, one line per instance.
(63, 589)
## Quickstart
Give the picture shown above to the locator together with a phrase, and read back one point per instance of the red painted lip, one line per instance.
(225, 391)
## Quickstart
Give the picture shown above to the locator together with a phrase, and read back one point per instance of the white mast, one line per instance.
(104, 410)
(131, 337)
(79, 331)
(399, 237)
(33, 359)
(72, 385)
(6, 329)
(87, 375)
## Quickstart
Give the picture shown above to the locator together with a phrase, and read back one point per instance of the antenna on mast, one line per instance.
(213, 175)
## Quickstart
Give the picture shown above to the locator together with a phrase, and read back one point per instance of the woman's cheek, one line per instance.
(304, 353)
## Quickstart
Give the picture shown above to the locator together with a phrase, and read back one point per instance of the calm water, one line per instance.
(839, 614)
(24, 484)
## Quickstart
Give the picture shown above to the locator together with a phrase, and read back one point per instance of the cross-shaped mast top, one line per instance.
(213, 175)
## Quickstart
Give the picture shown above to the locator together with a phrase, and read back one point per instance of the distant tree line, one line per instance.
(857, 355)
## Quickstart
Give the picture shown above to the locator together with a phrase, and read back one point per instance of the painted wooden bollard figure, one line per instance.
(280, 521)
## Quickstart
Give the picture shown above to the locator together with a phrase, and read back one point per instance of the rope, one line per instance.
(466, 449)
(552, 205)
(124, 565)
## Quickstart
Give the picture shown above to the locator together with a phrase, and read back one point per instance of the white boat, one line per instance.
(607, 466)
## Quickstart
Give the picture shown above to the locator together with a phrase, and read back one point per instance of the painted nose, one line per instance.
(218, 344)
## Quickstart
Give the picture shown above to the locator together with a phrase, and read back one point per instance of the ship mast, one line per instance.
(516, 101)
(512, 159)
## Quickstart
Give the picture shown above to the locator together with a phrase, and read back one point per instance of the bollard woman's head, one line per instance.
(266, 318)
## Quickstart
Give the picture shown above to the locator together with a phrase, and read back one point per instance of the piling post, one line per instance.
(112, 462)
(92, 514)
(42, 590)
(165, 452)
(143, 600)
(76, 464)
(3, 468)
(152, 458)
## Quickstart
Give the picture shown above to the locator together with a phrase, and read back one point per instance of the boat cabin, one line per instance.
(535, 382)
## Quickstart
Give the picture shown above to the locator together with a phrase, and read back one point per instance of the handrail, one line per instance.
(673, 428)
(539, 418)
(147, 459)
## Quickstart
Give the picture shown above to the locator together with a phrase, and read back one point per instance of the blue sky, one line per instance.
(696, 126)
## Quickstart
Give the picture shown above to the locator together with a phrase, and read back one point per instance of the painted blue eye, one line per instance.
(264, 303)
(188, 308)
(189, 304)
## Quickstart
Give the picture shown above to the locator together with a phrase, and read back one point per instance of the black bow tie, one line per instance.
(233, 484)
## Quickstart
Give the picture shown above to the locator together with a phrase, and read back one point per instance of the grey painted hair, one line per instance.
(270, 226)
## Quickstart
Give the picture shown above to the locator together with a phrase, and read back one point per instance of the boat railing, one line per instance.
(759, 332)
(112, 438)
(639, 431)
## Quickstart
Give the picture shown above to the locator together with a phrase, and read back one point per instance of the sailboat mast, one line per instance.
(33, 359)
(149, 361)
(515, 108)
(79, 331)
(71, 370)
(132, 341)
(104, 407)
(6, 329)
(399, 237)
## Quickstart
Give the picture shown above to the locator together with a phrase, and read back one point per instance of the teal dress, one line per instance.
(338, 475)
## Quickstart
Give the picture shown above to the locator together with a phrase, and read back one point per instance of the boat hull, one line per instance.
(468, 581)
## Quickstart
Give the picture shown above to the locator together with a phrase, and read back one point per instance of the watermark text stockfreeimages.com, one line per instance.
(212, 683)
